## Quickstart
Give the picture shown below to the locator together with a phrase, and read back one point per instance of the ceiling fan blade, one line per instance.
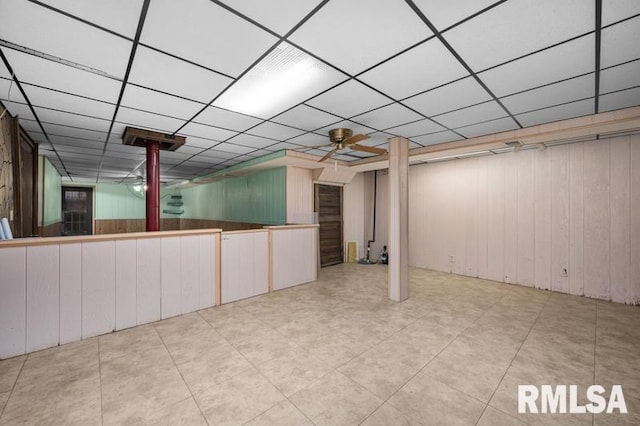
(328, 155)
(306, 147)
(355, 139)
(369, 149)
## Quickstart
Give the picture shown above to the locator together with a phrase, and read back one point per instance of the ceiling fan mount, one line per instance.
(339, 135)
(341, 138)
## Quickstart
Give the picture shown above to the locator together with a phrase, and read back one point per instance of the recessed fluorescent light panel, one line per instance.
(284, 78)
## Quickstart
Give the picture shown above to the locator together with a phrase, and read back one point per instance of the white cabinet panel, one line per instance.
(125, 284)
(148, 281)
(244, 265)
(171, 276)
(12, 301)
(42, 297)
(98, 288)
(293, 257)
(190, 273)
(70, 292)
(207, 263)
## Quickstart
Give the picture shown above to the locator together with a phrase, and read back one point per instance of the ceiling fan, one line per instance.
(342, 138)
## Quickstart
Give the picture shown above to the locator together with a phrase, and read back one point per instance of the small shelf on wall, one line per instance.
(176, 201)
(173, 211)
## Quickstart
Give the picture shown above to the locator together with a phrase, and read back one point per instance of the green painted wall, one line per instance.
(51, 187)
(255, 198)
(115, 201)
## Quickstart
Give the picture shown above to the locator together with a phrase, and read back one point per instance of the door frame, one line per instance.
(92, 205)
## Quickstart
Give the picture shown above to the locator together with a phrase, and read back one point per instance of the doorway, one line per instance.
(77, 210)
(328, 205)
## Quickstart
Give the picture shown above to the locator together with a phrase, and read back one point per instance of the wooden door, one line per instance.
(328, 205)
(28, 188)
(77, 210)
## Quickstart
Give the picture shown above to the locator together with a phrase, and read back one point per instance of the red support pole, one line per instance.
(153, 186)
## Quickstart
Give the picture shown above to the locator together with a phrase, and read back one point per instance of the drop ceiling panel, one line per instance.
(206, 132)
(87, 143)
(486, 128)
(349, 99)
(456, 95)
(38, 28)
(72, 132)
(416, 128)
(275, 131)
(355, 127)
(616, 10)
(233, 148)
(120, 16)
(21, 110)
(70, 103)
(553, 94)
(200, 142)
(618, 100)
(414, 71)
(252, 141)
(444, 13)
(369, 37)
(205, 33)
(472, 115)
(167, 74)
(389, 116)
(30, 69)
(436, 138)
(307, 118)
(620, 43)
(558, 63)
(72, 120)
(279, 16)
(574, 109)
(283, 145)
(159, 103)
(10, 92)
(136, 118)
(216, 154)
(311, 139)
(519, 27)
(620, 77)
(219, 117)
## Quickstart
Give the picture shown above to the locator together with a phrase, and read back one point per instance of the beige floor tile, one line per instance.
(336, 400)
(430, 401)
(293, 370)
(184, 412)
(493, 417)
(239, 399)
(263, 345)
(176, 328)
(4, 397)
(335, 349)
(282, 414)
(130, 341)
(195, 346)
(387, 415)
(9, 369)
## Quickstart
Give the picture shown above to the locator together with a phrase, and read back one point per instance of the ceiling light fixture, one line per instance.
(273, 84)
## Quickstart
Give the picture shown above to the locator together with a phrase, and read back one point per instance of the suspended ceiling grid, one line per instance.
(78, 72)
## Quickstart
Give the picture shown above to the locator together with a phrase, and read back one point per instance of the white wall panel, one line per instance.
(510, 265)
(290, 244)
(245, 269)
(13, 301)
(560, 201)
(457, 221)
(148, 280)
(354, 211)
(299, 195)
(496, 223)
(620, 216)
(483, 218)
(634, 187)
(526, 225)
(70, 292)
(190, 273)
(98, 288)
(125, 284)
(542, 219)
(471, 220)
(43, 297)
(207, 264)
(576, 215)
(171, 276)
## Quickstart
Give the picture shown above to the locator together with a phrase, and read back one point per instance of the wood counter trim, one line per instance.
(245, 231)
(285, 227)
(29, 242)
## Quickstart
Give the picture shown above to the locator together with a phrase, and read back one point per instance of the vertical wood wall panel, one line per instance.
(576, 224)
(171, 276)
(620, 216)
(13, 301)
(634, 223)
(43, 316)
(99, 289)
(542, 219)
(471, 224)
(148, 280)
(354, 211)
(299, 195)
(495, 217)
(126, 298)
(70, 292)
(483, 218)
(456, 222)
(596, 219)
(510, 265)
(526, 219)
(560, 196)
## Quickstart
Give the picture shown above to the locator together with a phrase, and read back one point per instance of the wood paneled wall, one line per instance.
(123, 226)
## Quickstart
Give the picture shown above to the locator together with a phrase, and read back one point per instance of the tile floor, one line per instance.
(338, 352)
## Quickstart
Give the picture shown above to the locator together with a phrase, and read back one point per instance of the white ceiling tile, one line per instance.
(201, 143)
(10, 92)
(233, 148)
(72, 120)
(564, 61)
(447, 98)
(217, 154)
(120, 16)
(355, 128)
(378, 139)
(620, 77)
(435, 138)
(31, 69)
(96, 144)
(310, 139)
(71, 103)
(279, 16)
(283, 145)
(489, 127)
(206, 132)
(317, 152)
(137, 118)
(73, 132)
(616, 10)
(307, 118)
(574, 109)
(444, 13)
(252, 141)
(349, 99)
(167, 74)
(356, 36)
(213, 116)
(620, 43)
(553, 94)
(275, 131)
(618, 100)
(206, 34)
(189, 149)
(19, 109)
(416, 128)
(518, 27)
(389, 116)
(159, 103)
(286, 77)
(126, 149)
(41, 29)
(415, 71)
(472, 115)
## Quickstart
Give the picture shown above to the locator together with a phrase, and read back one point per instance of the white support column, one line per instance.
(398, 219)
